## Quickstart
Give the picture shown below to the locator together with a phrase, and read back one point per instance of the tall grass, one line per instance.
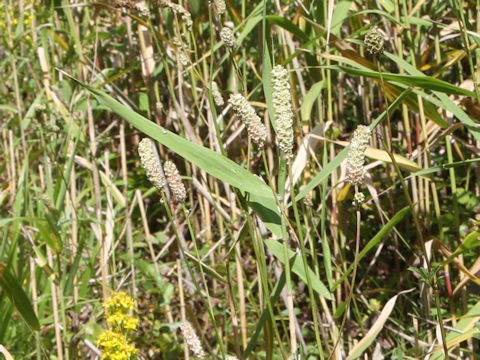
(295, 240)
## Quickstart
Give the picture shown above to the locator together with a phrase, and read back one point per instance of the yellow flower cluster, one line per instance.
(118, 302)
(114, 342)
(122, 321)
(28, 16)
(115, 346)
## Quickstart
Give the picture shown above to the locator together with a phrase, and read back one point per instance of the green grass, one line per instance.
(268, 258)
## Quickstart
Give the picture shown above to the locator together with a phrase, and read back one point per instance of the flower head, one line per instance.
(175, 182)
(282, 102)
(116, 307)
(356, 156)
(180, 10)
(217, 96)
(114, 346)
(220, 5)
(180, 50)
(226, 34)
(256, 130)
(358, 199)
(374, 41)
(151, 163)
(192, 340)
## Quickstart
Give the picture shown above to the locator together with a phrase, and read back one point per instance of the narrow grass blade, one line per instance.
(424, 82)
(435, 169)
(261, 197)
(12, 288)
(445, 102)
(372, 333)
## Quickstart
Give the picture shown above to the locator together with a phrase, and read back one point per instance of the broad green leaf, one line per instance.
(297, 267)
(339, 15)
(309, 100)
(289, 26)
(12, 288)
(424, 82)
(374, 241)
(249, 26)
(471, 241)
(387, 5)
(260, 197)
(392, 90)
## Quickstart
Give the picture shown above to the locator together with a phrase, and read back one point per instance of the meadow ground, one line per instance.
(239, 180)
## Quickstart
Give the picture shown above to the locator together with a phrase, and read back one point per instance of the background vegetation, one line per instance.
(268, 258)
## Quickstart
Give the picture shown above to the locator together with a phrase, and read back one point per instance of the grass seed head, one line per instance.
(151, 163)
(226, 34)
(217, 96)
(175, 182)
(180, 50)
(282, 102)
(374, 41)
(356, 155)
(220, 5)
(180, 10)
(192, 340)
(256, 130)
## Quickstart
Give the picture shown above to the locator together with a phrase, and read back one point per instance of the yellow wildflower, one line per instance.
(121, 321)
(118, 302)
(115, 347)
(116, 307)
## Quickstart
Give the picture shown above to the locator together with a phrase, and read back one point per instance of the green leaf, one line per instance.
(444, 101)
(471, 241)
(375, 240)
(309, 100)
(11, 287)
(261, 197)
(297, 267)
(289, 26)
(340, 13)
